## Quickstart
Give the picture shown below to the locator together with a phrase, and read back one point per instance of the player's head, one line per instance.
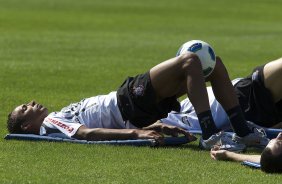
(271, 157)
(26, 118)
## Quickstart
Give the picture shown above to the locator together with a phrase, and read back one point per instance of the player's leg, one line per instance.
(178, 76)
(272, 73)
(181, 75)
(272, 79)
(225, 94)
(146, 97)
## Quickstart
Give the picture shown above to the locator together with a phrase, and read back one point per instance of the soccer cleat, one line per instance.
(256, 139)
(223, 140)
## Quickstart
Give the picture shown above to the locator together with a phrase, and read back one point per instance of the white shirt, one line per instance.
(95, 112)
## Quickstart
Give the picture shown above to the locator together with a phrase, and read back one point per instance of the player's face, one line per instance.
(31, 112)
(276, 144)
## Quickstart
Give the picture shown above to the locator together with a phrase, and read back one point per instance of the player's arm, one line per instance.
(217, 154)
(170, 130)
(98, 134)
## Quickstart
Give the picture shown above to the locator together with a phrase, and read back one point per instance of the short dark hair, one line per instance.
(14, 124)
(271, 163)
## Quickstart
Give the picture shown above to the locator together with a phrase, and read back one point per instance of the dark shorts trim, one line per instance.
(137, 102)
(256, 100)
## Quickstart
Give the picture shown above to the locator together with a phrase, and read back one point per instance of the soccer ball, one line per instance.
(204, 51)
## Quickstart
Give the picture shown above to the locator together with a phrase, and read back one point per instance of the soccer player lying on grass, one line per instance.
(259, 94)
(140, 102)
(270, 159)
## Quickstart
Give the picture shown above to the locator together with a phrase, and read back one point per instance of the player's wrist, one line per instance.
(134, 133)
(227, 155)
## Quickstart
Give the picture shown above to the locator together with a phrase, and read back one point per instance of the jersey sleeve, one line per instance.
(67, 126)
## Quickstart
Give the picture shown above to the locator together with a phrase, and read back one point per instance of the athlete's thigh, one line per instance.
(168, 78)
(272, 78)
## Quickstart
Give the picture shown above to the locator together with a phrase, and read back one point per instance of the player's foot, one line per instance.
(256, 139)
(223, 140)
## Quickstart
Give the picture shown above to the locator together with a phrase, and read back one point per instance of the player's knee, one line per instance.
(274, 68)
(188, 56)
(279, 61)
(190, 61)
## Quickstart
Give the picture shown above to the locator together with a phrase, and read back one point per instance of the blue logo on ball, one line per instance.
(211, 52)
(195, 47)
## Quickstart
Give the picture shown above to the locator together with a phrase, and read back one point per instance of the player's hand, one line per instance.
(218, 154)
(175, 131)
(149, 134)
(170, 130)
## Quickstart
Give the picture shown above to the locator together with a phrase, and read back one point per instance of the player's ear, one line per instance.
(25, 126)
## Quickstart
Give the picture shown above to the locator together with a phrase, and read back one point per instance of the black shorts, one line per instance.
(256, 100)
(137, 102)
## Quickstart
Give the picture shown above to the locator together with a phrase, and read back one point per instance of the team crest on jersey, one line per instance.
(138, 91)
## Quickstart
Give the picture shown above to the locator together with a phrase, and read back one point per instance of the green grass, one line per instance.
(60, 51)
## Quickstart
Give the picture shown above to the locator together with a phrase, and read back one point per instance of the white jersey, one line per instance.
(187, 117)
(95, 112)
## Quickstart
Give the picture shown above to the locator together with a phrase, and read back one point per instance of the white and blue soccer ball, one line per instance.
(204, 51)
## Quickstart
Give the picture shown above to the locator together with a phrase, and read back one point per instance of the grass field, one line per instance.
(60, 51)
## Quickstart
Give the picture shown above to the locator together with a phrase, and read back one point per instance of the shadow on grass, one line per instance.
(191, 146)
(195, 147)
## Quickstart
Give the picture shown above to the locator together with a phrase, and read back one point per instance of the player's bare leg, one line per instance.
(222, 86)
(181, 75)
(272, 78)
